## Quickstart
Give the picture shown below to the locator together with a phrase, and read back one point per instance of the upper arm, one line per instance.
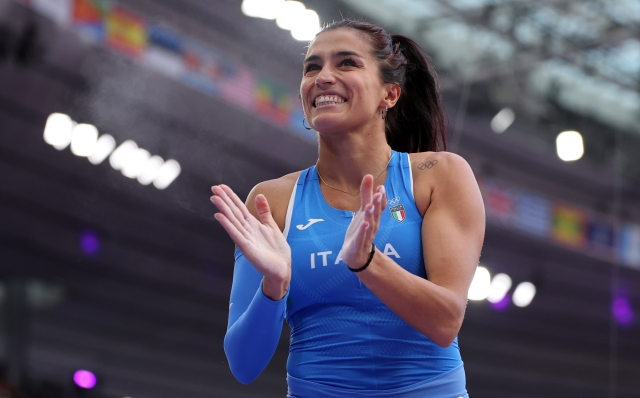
(453, 223)
(277, 192)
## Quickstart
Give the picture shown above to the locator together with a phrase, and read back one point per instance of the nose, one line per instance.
(325, 77)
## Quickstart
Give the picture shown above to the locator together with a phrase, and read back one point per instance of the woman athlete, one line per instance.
(369, 254)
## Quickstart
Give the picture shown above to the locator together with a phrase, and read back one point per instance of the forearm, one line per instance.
(252, 340)
(255, 322)
(433, 310)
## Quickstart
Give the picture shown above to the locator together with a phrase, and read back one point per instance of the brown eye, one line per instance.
(311, 67)
(348, 62)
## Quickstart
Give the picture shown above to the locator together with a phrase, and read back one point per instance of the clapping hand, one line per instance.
(364, 226)
(260, 240)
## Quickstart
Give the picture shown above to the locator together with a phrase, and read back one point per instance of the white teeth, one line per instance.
(328, 99)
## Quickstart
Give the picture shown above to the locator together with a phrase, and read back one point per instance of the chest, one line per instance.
(316, 236)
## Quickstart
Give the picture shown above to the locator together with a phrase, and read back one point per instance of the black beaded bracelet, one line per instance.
(373, 250)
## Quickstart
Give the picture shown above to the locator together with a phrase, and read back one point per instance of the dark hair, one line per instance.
(417, 122)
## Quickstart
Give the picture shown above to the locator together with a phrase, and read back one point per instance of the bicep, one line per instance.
(453, 229)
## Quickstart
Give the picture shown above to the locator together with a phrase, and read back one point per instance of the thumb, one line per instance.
(264, 212)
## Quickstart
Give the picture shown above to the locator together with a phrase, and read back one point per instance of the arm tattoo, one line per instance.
(428, 164)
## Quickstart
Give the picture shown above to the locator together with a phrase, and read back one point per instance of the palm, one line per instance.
(260, 240)
(364, 226)
(265, 247)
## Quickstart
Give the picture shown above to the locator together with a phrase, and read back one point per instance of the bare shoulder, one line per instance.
(437, 170)
(277, 191)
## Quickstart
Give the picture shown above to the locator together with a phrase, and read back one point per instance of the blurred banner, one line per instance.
(182, 58)
(564, 224)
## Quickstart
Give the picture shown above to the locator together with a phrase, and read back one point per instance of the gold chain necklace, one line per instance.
(348, 193)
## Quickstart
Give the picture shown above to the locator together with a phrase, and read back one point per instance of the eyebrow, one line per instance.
(338, 54)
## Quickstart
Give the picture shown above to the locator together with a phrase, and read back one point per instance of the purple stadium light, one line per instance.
(84, 379)
(89, 242)
(622, 310)
(502, 304)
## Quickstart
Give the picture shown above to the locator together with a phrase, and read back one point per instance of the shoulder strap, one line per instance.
(287, 221)
(407, 175)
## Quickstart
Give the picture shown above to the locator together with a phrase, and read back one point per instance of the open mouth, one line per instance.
(324, 100)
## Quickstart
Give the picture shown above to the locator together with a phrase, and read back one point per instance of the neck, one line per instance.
(345, 158)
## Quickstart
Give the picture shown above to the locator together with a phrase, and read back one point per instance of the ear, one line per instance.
(392, 95)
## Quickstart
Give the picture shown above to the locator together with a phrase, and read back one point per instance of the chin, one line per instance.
(328, 122)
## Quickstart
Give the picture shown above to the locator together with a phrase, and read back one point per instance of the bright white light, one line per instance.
(267, 9)
(169, 171)
(523, 294)
(150, 170)
(502, 120)
(84, 138)
(134, 163)
(289, 14)
(104, 147)
(57, 131)
(479, 289)
(118, 157)
(306, 26)
(500, 285)
(569, 146)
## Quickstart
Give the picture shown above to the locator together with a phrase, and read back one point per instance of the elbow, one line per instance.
(446, 334)
(241, 368)
(243, 377)
(444, 340)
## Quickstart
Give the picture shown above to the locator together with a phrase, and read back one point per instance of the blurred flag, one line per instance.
(533, 214)
(601, 235)
(273, 102)
(237, 85)
(88, 18)
(630, 245)
(164, 52)
(500, 203)
(569, 225)
(126, 32)
(165, 38)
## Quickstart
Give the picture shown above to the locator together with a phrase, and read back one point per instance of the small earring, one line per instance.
(384, 113)
(303, 125)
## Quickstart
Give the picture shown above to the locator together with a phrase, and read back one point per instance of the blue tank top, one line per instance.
(342, 335)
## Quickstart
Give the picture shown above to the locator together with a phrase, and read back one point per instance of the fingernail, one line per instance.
(370, 210)
(382, 190)
(379, 199)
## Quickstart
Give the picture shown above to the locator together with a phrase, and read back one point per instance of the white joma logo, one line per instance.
(310, 223)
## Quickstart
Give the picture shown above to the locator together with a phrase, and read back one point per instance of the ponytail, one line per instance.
(417, 122)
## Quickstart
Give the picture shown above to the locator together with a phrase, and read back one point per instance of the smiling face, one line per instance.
(341, 87)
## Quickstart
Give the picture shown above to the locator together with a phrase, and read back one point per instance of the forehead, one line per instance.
(341, 39)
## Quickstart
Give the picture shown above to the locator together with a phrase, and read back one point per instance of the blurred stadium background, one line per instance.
(116, 117)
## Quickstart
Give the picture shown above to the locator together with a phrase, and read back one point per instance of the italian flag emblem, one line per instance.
(398, 213)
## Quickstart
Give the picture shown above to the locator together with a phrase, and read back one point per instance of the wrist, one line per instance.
(364, 264)
(275, 288)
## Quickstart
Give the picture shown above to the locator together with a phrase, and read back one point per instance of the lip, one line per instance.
(313, 101)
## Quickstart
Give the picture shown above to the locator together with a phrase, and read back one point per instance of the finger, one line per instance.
(264, 212)
(383, 198)
(237, 213)
(232, 231)
(236, 200)
(228, 213)
(373, 218)
(362, 236)
(366, 190)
